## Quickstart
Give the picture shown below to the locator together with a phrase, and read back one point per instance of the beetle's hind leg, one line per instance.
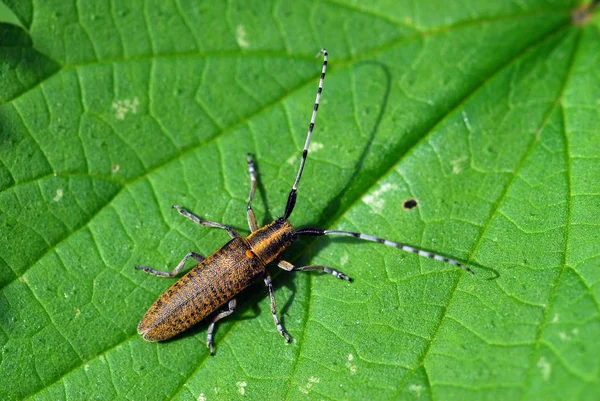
(197, 257)
(209, 336)
(232, 233)
(251, 217)
(280, 328)
(290, 267)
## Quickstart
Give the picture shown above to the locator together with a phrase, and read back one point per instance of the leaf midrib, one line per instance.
(568, 224)
(493, 212)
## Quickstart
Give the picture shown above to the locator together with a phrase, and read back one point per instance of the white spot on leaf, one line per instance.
(350, 365)
(124, 107)
(241, 387)
(416, 388)
(374, 200)
(466, 120)
(457, 164)
(344, 259)
(59, 195)
(315, 146)
(545, 368)
(201, 397)
(555, 318)
(312, 380)
(241, 37)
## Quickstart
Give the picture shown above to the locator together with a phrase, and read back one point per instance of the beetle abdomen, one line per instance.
(202, 291)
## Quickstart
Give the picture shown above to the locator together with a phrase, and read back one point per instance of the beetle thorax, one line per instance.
(270, 241)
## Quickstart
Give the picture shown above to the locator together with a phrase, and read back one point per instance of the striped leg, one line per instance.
(205, 223)
(291, 202)
(197, 257)
(269, 285)
(251, 218)
(290, 267)
(211, 328)
(316, 232)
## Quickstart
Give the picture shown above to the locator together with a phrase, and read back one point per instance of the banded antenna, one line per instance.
(291, 202)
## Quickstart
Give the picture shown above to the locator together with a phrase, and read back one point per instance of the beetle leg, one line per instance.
(287, 266)
(269, 285)
(232, 233)
(197, 257)
(209, 336)
(290, 267)
(251, 218)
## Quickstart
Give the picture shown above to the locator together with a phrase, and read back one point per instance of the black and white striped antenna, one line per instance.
(291, 202)
(316, 232)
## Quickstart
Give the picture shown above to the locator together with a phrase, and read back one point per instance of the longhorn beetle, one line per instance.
(218, 279)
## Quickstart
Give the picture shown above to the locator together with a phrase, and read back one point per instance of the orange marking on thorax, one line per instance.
(249, 253)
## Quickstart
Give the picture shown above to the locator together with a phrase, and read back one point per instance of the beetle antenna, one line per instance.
(317, 232)
(291, 202)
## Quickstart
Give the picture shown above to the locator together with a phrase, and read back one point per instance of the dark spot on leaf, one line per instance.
(410, 204)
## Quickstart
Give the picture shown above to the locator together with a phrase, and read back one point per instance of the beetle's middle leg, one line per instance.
(232, 233)
(197, 257)
(209, 336)
(252, 171)
(290, 267)
(282, 331)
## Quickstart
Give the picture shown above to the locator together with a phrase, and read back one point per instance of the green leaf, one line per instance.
(485, 113)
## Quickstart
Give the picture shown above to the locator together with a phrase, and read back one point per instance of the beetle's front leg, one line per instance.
(290, 267)
(232, 233)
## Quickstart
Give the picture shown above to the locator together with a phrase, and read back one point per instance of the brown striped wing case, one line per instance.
(202, 291)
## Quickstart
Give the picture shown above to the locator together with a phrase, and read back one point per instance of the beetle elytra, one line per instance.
(217, 279)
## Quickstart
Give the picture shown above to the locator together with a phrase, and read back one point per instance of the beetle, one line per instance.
(218, 279)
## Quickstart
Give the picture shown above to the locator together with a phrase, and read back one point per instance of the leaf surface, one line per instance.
(485, 114)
